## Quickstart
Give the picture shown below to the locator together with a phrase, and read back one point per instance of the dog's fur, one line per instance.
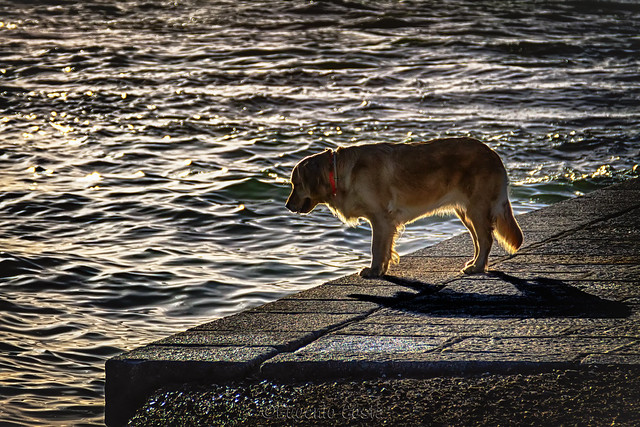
(390, 185)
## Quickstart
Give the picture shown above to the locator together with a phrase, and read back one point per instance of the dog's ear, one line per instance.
(313, 172)
(317, 173)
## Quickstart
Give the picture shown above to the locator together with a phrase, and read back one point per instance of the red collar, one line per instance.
(332, 174)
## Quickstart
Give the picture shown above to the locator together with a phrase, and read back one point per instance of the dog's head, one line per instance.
(309, 183)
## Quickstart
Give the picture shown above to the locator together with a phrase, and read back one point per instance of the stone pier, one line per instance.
(568, 300)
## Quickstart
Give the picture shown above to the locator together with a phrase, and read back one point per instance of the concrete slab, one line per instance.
(354, 357)
(287, 368)
(621, 328)
(130, 377)
(456, 328)
(612, 359)
(586, 247)
(256, 321)
(281, 341)
(307, 306)
(351, 292)
(556, 260)
(571, 348)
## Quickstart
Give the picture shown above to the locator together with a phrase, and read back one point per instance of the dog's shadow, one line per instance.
(540, 297)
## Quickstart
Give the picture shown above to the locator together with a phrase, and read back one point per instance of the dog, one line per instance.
(390, 185)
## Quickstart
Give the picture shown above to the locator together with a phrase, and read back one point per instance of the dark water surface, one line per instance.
(145, 148)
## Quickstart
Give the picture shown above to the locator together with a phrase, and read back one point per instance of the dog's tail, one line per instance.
(506, 230)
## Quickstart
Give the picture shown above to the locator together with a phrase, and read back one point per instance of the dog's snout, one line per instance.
(300, 206)
(289, 206)
(291, 203)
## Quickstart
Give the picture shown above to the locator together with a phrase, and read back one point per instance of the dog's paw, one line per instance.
(473, 269)
(370, 273)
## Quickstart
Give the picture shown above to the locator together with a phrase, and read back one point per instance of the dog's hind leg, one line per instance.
(480, 220)
(383, 233)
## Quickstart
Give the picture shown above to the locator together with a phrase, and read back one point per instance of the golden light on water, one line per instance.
(569, 175)
(62, 128)
(8, 25)
(90, 180)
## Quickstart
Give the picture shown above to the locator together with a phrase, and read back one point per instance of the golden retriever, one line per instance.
(390, 185)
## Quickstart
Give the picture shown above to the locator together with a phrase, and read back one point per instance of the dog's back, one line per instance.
(417, 179)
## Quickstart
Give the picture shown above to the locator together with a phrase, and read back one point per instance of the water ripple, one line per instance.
(145, 149)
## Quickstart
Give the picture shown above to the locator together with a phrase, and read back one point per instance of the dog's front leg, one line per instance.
(382, 235)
